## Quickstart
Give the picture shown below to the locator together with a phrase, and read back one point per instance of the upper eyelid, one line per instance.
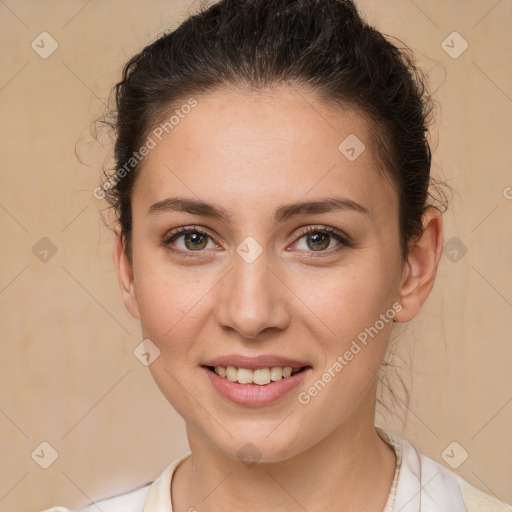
(322, 228)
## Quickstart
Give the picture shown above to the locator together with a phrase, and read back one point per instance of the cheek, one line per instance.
(169, 306)
(163, 296)
(347, 301)
(358, 312)
(174, 304)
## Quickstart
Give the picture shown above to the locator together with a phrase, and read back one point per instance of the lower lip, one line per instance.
(254, 395)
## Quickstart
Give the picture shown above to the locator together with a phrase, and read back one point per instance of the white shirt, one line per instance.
(420, 484)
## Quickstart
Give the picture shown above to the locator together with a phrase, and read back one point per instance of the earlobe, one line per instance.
(421, 266)
(124, 269)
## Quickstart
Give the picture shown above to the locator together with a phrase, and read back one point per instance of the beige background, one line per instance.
(68, 373)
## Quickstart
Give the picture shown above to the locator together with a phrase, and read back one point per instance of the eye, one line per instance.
(189, 240)
(193, 240)
(320, 238)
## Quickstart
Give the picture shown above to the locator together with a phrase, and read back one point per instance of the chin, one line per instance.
(253, 444)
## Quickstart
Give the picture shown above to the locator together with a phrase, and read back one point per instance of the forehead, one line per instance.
(253, 149)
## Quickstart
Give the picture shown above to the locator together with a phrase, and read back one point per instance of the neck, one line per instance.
(351, 469)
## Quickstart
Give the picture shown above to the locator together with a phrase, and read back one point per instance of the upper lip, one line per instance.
(255, 362)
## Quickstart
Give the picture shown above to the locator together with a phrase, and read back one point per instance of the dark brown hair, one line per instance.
(322, 45)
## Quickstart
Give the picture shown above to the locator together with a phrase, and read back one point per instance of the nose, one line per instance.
(252, 298)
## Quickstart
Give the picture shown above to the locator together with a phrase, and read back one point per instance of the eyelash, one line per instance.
(338, 235)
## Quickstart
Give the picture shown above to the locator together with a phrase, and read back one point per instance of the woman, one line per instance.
(272, 195)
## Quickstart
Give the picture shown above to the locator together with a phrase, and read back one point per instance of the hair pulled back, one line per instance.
(323, 45)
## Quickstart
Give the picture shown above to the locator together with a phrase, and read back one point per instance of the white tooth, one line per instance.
(261, 376)
(244, 376)
(276, 373)
(231, 373)
(287, 371)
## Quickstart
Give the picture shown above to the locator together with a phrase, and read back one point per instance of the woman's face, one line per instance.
(253, 289)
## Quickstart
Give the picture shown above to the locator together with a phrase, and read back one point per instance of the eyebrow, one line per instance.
(282, 214)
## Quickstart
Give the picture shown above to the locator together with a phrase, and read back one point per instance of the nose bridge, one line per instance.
(252, 296)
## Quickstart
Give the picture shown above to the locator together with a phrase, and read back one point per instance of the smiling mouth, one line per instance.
(260, 376)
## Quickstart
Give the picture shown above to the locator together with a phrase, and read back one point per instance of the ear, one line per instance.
(421, 266)
(125, 273)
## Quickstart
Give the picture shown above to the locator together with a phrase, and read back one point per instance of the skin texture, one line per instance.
(250, 153)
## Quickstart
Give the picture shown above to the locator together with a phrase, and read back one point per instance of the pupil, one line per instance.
(314, 238)
(193, 237)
